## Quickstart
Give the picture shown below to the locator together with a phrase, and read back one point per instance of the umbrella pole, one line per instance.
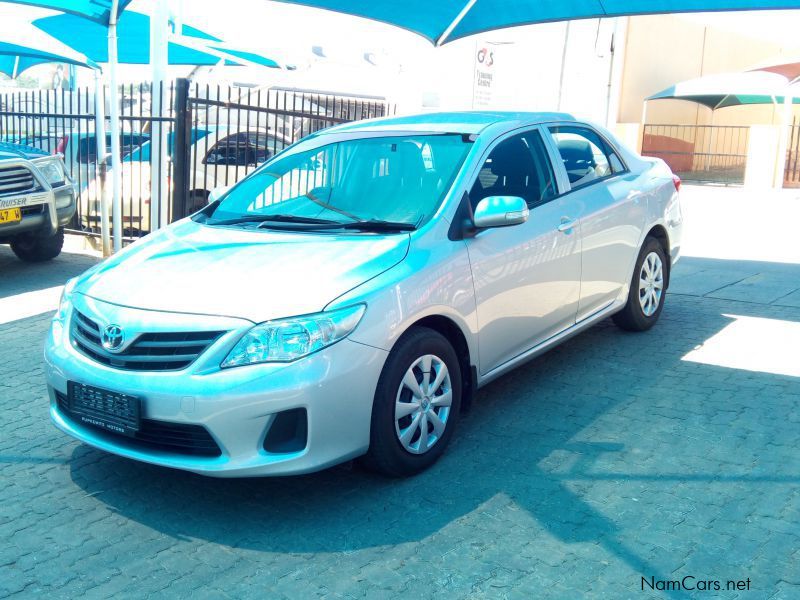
(783, 140)
(102, 154)
(644, 124)
(116, 175)
(563, 67)
(159, 192)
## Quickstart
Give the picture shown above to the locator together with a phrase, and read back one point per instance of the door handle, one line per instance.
(567, 224)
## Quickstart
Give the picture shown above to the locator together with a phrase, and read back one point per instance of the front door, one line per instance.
(527, 277)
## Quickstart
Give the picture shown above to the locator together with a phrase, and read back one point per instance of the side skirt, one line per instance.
(550, 342)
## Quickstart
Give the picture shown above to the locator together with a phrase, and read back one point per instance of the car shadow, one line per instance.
(534, 438)
(19, 277)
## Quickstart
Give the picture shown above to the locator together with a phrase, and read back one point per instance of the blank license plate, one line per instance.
(105, 409)
(10, 215)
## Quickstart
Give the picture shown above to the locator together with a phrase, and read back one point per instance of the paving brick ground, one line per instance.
(613, 457)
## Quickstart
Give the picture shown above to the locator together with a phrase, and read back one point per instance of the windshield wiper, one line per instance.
(267, 218)
(378, 225)
(316, 224)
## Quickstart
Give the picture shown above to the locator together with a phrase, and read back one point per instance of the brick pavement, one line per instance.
(610, 458)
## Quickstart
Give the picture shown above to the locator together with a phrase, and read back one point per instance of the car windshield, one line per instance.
(397, 179)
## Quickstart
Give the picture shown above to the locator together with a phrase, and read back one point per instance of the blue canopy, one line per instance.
(15, 59)
(24, 46)
(94, 10)
(443, 21)
(731, 89)
(133, 40)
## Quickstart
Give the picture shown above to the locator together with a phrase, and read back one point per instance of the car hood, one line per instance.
(255, 275)
(11, 151)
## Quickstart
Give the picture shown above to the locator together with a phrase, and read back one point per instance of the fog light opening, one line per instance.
(288, 432)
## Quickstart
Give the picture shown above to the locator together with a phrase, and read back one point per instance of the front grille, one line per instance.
(176, 438)
(148, 352)
(36, 209)
(16, 180)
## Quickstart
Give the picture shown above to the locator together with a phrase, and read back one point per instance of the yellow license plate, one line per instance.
(11, 215)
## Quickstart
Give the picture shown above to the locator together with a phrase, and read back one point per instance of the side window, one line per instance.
(517, 166)
(585, 155)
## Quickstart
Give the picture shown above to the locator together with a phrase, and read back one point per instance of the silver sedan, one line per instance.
(348, 297)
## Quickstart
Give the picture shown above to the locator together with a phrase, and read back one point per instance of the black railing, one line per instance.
(233, 130)
(214, 136)
(703, 153)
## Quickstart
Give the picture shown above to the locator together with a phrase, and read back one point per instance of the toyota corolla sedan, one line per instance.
(349, 297)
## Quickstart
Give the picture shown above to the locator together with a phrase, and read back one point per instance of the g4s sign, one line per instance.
(485, 57)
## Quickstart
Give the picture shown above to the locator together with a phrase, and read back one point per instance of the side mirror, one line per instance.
(500, 211)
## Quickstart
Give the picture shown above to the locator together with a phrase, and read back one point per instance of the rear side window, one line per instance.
(585, 154)
(517, 166)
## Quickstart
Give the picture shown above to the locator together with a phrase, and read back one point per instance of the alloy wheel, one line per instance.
(422, 405)
(651, 284)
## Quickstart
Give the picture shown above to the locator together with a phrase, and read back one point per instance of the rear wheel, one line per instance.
(647, 290)
(38, 248)
(416, 404)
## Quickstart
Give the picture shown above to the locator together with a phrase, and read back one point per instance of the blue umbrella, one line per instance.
(15, 59)
(23, 47)
(98, 11)
(133, 44)
(729, 89)
(443, 21)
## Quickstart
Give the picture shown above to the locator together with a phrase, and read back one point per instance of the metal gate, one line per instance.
(214, 136)
(63, 122)
(703, 153)
(791, 175)
(225, 133)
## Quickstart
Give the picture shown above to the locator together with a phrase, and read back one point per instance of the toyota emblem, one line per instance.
(113, 337)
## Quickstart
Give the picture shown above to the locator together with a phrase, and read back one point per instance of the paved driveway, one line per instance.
(615, 457)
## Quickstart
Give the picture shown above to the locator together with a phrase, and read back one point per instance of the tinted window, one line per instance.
(517, 166)
(585, 154)
(246, 149)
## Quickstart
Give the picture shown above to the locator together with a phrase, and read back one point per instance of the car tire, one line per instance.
(37, 248)
(397, 448)
(647, 289)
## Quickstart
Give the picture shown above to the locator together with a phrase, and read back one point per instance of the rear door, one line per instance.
(612, 211)
(526, 277)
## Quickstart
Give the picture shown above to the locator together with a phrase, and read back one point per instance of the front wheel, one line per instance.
(648, 287)
(416, 404)
(38, 248)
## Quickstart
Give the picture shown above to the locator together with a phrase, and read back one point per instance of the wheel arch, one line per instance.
(659, 232)
(454, 334)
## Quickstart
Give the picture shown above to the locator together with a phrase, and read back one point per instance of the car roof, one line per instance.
(470, 122)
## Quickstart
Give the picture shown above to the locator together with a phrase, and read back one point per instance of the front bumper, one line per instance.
(236, 406)
(43, 211)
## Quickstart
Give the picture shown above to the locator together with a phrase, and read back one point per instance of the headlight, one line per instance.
(286, 340)
(52, 169)
(66, 298)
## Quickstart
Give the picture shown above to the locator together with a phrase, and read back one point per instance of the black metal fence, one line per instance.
(213, 136)
(229, 132)
(791, 177)
(703, 153)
